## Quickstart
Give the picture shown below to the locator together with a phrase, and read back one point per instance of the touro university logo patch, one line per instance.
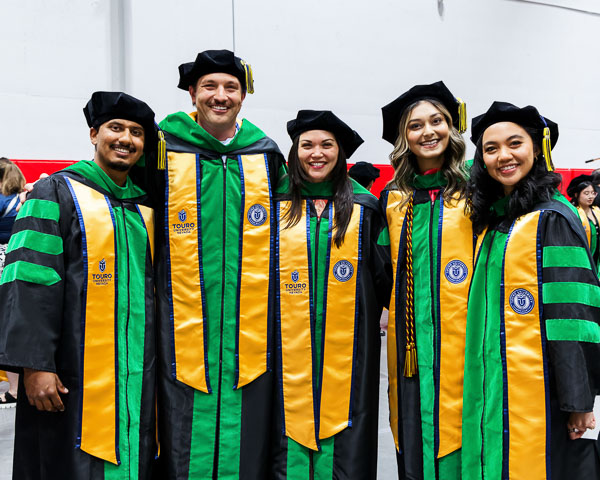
(182, 226)
(456, 271)
(521, 301)
(102, 278)
(343, 271)
(257, 215)
(296, 287)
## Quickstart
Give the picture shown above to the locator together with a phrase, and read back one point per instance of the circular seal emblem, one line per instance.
(343, 271)
(257, 215)
(521, 301)
(456, 271)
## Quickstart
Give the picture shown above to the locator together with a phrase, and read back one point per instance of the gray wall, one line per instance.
(346, 55)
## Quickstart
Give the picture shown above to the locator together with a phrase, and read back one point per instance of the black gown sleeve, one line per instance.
(571, 293)
(32, 284)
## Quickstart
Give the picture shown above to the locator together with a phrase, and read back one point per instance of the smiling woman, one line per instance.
(332, 282)
(533, 338)
(432, 256)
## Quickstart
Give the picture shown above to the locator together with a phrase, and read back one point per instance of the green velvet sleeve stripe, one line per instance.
(38, 241)
(44, 209)
(567, 329)
(571, 292)
(566, 257)
(384, 238)
(29, 272)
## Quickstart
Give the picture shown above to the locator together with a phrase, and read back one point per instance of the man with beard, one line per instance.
(216, 257)
(78, 309)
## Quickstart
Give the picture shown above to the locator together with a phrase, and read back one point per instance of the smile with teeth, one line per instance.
(121, 149)
(317, 164)
(219, 108)
(429, 143)
(508, 168)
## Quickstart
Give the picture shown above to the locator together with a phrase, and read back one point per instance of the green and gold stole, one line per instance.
(185, 270)
(315, 412)
(523, 350)
(452, 274)
(99, 371)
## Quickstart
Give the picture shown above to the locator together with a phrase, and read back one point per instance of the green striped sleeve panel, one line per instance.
(570, 295)
(29, 272)
(35, 249)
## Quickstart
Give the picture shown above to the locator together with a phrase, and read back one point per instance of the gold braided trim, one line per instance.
(410, 360)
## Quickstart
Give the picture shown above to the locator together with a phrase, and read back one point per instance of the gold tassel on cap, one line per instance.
(162, 151)
(410, 358)
(249, 77)
(547, 149)
(462, 116)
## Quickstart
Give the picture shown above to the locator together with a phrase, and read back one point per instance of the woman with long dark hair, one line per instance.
(432, 257)
(331, 287)
(582, 193)
(531, 359)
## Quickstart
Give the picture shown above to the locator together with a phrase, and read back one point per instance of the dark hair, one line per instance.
(11, 178)
(482, 190)
(343, 197)
(574, 190)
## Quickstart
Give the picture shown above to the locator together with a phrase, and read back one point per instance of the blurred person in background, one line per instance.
(364, 173)
(11, 184)
(582, 193)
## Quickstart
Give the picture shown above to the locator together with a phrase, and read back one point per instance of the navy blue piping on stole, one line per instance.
(272, 219)
(201, 267)
(356, 315)
(505, 407)
(278, 323)
(169, 281)
(116, 327)
(83, 298)
(316, 395)
(538, 254)
(239, 276)
(437, 352)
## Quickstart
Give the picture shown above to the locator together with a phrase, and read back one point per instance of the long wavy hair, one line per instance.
(483, 191)
(343, 196)
(405, 163)
(11, 178)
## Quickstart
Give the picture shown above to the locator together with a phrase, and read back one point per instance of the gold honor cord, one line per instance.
(410, 360)
(526, 386)
(98, 411)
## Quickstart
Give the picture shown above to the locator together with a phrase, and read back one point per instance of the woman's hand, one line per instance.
(579, 422)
